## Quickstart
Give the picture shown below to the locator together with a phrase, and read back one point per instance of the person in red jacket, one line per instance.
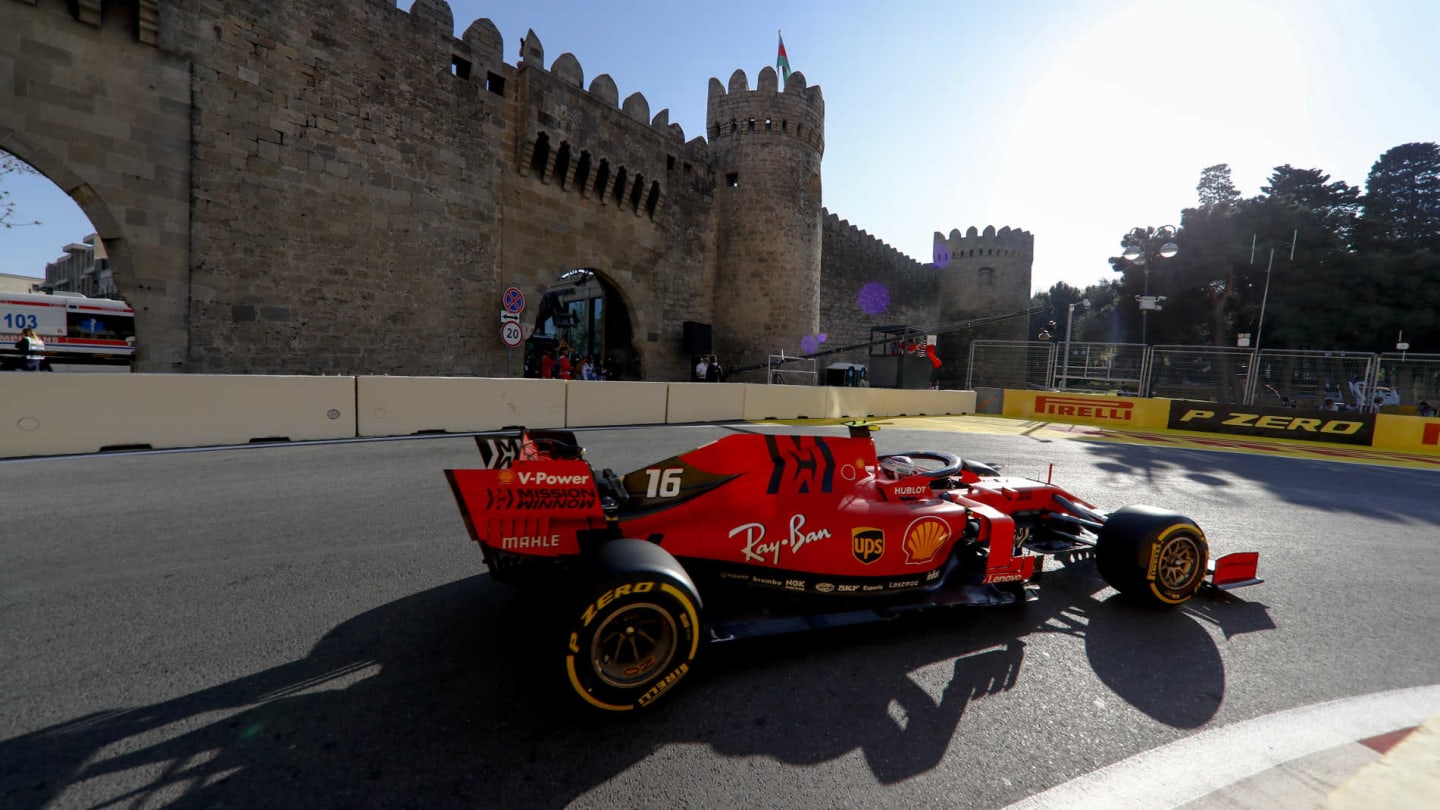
(565, 366)
(547, 365)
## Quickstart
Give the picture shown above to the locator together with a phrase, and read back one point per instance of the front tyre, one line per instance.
(1152, 555)
(638, 633)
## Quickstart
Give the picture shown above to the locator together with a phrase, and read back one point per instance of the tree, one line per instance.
(1328, 211)
(1216, 190)
(1402, 200)
(9, 164)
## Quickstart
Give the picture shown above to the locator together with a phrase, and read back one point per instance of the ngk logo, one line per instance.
(1084, 408)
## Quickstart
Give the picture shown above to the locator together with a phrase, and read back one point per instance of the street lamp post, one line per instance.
(1269, 265)
(1252, 383)
(1142, 251)
(1065, 360)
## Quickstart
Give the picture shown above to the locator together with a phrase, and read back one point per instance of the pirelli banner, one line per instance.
(1086, 409)
(1338, 427)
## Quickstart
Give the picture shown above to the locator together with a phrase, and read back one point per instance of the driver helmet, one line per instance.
(899, 466)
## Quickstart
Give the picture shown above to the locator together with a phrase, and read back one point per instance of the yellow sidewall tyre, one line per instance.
(637, 632)
(1152, 555)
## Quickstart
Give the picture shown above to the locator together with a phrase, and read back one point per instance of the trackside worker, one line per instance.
(32, 347)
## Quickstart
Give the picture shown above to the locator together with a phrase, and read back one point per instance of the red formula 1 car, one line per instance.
(758, 533)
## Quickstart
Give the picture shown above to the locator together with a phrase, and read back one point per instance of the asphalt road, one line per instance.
(311, 626)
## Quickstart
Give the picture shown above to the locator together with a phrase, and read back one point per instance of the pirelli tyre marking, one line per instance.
(635, 642)
(1177, 564)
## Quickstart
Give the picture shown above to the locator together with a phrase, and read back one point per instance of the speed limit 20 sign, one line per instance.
(511, 334)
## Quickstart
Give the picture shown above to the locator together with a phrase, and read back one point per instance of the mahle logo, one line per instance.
(867, 544)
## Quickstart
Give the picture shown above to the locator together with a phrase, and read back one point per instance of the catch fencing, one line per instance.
(1400, 382)
(1011, 364)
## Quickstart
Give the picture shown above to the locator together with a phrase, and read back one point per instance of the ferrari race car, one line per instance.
(755, 534)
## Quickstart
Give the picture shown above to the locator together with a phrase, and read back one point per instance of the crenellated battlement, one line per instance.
(1005, 242)
(736, 111)
(567, 68)
(857, 238)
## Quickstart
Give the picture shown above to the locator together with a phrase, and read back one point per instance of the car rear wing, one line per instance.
(501, 448)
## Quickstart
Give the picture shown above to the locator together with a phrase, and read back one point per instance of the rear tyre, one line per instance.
(637, 632)
(1152, 555)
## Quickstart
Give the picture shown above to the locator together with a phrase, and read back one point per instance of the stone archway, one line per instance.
(585, 314)
(109, 123)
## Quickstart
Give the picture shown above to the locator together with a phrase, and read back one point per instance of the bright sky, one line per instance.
(1073, 119)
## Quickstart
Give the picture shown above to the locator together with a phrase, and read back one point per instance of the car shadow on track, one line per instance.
(439, 699)
(1371, 491)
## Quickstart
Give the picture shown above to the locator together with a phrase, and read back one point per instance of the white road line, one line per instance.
(1191, 768)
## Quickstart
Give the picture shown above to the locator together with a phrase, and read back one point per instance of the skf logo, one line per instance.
(925, 537)
(867, 544)
(1084, 408)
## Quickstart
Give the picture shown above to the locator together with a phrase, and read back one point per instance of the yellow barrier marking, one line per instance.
(1190, 440)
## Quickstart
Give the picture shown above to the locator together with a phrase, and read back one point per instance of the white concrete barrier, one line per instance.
(921, 402)
(784, 402)
(705, 402)
(55, 414)
(400, 406)
(956, 402)
(608, 402)
(850, 403)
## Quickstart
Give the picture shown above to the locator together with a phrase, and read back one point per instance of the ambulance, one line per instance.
(80, 334)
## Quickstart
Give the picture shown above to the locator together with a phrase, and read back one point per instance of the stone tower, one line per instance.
(986, 273)
(765, 148)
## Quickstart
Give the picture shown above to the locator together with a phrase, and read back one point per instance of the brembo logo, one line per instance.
(1083, 407)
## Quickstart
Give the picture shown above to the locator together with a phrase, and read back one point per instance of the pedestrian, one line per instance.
(713, 371)
(587, 369)
(701, 369)
(547, 365)
(31, 348)
(565, 366)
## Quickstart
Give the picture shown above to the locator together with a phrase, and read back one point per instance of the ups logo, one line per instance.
(867, 544)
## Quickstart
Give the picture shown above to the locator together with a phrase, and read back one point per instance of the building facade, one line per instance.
(349, 188)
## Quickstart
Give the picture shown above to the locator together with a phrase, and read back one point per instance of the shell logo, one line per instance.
(925, 537)
(506, 477)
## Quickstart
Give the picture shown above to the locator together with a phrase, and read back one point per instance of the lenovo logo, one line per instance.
(1084, 407)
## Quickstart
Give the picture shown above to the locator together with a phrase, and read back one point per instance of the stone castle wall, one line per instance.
(319, 187)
